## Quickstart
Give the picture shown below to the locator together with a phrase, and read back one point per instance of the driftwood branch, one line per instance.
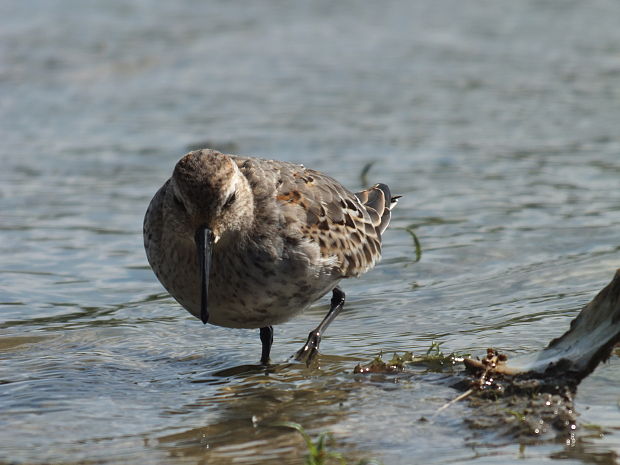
(574, 355)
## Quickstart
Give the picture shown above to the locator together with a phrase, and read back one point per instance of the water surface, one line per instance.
(496, 121)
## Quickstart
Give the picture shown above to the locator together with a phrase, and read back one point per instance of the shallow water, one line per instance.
(496, 121)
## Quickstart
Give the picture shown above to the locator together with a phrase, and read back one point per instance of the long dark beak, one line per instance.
(204, 245)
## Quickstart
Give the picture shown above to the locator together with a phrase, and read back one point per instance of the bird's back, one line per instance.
(308, 205)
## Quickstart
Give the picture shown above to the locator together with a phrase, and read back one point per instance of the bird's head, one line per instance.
(208, 199)
(208, 190)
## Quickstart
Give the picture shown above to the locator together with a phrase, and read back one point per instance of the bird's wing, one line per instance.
(347, 227)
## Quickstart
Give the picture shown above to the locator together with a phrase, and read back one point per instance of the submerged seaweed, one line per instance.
(433, 360)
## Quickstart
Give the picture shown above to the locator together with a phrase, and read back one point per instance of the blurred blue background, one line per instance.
(496, 120)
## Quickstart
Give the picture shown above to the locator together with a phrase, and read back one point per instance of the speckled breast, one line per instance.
(248, 288)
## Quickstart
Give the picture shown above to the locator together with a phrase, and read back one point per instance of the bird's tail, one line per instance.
(379, 203)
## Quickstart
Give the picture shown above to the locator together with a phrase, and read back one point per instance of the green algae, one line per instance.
(318, 449)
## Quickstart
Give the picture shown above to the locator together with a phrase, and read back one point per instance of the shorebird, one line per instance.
(244, 242)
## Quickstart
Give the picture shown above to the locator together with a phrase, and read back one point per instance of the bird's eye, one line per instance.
(230, 200)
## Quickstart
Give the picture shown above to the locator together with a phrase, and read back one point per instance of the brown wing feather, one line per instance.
(379, 199)
(344, 225)
(333, 218)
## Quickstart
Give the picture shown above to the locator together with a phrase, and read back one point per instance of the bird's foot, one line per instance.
(266, 338)
(310, 350)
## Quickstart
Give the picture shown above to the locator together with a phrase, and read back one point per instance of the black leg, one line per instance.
(311, 349)
(266, 337)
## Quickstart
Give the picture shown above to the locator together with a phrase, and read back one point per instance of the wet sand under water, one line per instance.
(497, 122)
